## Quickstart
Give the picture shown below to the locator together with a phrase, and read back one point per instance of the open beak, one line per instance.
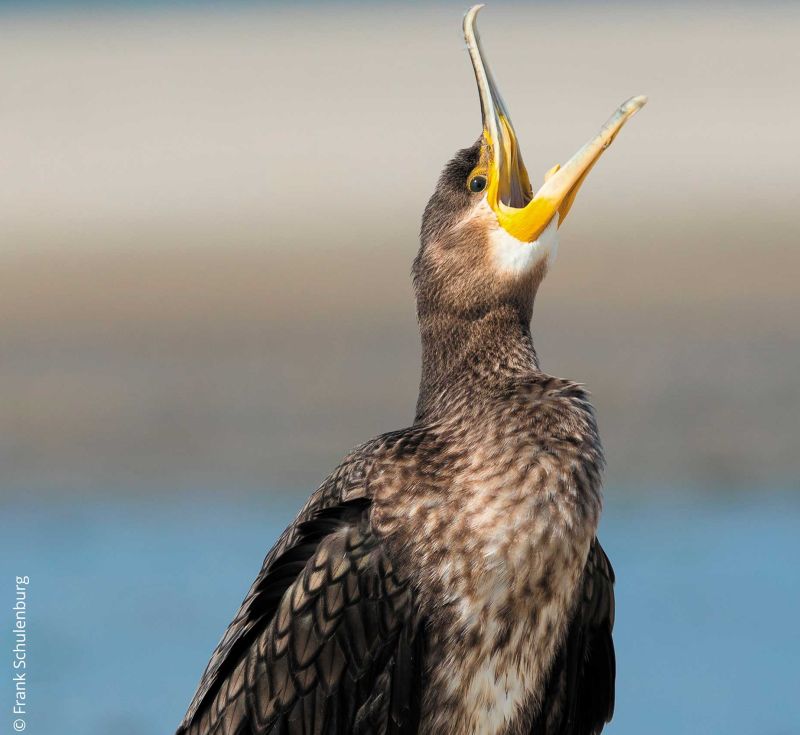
(509, 193)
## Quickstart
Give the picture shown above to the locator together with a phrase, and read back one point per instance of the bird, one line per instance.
(446, 578)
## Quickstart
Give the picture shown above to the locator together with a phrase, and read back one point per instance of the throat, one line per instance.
(466, 356)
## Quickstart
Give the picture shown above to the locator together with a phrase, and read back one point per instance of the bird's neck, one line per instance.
(464, 358)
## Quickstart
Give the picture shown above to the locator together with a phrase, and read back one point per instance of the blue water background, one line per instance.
(127, 600)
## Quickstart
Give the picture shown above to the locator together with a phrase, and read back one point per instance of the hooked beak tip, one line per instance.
(631, 106)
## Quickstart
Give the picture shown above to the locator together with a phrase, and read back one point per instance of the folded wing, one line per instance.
(333, 644)
(579, 698)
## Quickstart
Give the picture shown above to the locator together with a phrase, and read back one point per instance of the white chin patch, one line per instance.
(516, 257)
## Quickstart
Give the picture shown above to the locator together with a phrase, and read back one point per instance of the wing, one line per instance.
(336, 646)
(579, 697)
(346, 483)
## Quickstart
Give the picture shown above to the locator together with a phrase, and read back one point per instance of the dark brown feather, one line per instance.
(579, 696)
(289, 674)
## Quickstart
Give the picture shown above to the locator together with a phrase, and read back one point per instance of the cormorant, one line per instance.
(446, 578)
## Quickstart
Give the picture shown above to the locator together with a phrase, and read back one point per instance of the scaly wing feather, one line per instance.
(334, 647)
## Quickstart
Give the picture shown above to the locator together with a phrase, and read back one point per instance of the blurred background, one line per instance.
(208, 213)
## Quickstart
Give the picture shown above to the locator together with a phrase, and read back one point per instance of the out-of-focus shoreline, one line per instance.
(208, 218)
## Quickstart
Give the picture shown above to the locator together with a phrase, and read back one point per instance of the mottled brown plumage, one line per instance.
(446, 577)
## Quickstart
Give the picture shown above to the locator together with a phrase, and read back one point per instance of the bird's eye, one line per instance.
(477, 183)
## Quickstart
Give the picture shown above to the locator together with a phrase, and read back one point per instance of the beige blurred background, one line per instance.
(208, 216)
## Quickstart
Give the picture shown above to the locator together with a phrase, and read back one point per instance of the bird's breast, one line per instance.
(494, 529)
(506, 581)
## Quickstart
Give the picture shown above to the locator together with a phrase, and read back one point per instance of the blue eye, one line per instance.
(477, 183)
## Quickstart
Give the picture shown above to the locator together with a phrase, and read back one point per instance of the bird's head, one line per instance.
(487, 237)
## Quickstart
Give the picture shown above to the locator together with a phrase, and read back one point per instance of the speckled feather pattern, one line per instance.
(507, 500)
(446, 578)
